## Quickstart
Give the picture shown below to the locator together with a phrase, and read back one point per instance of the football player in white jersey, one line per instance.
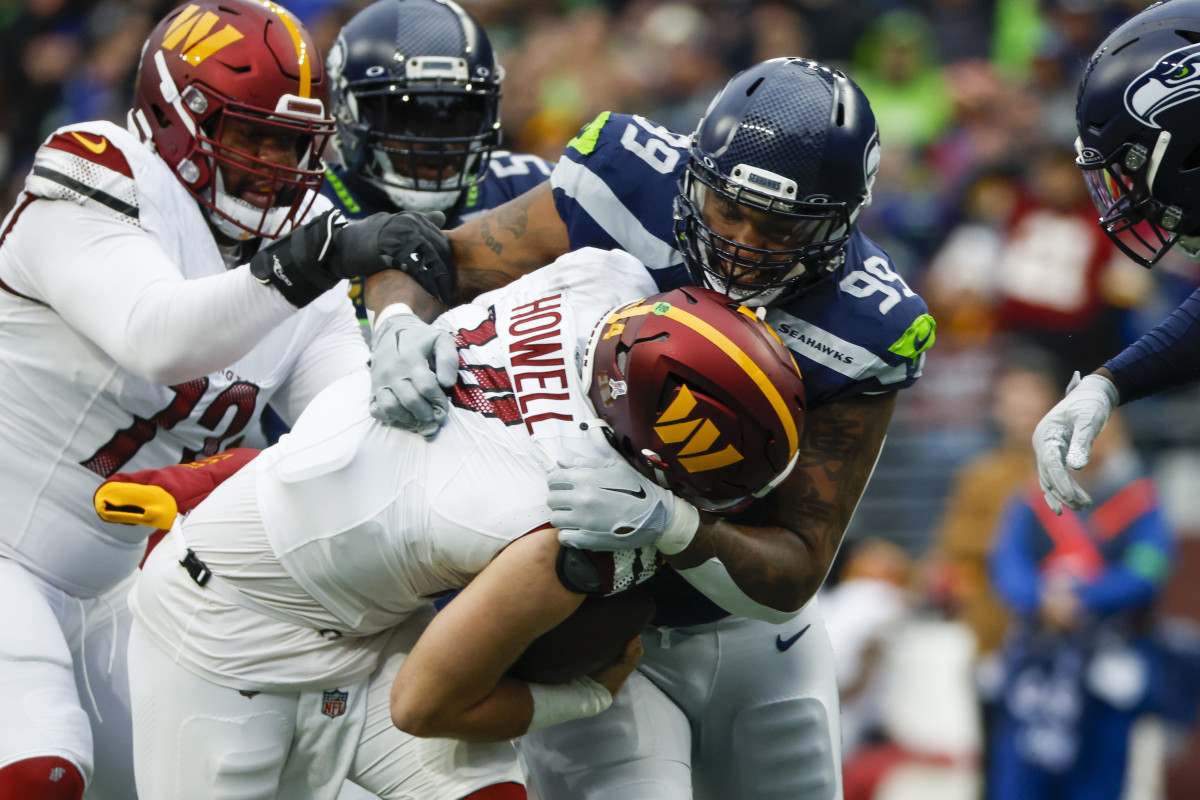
(259, 619)
(761, 202)
(155, 292)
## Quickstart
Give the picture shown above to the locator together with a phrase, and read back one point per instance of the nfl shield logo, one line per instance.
(334, 703)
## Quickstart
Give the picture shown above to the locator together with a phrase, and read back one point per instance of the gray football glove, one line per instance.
(1064, 439)
(413, 364)
(608, 505)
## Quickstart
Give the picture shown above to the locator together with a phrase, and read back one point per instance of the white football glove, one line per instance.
(608, 505)
(1064, 439)
(412, 366)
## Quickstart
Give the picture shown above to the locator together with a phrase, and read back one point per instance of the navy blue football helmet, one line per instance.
(784, 158)
(1139, 144)
(416, 99)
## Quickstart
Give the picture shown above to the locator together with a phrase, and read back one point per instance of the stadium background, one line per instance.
(975, 106)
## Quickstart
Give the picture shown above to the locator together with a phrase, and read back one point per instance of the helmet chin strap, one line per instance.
(412, 200)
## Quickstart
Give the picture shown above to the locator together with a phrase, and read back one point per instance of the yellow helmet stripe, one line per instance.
(303, 60)
(734, 352)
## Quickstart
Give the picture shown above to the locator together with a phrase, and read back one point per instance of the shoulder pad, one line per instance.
(87, 166)
(585, 141)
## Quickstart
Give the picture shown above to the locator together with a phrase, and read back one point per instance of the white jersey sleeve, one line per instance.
(125, 344)
(102, 266)
(354, 524)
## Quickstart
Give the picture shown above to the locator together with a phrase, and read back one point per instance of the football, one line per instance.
(593, 636)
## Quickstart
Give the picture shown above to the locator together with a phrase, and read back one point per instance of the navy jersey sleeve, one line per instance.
(509, 175)
(860, 331)
(615, 186)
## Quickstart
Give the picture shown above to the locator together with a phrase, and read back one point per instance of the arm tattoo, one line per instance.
(837, 455)
(499, 246)
(782, 562)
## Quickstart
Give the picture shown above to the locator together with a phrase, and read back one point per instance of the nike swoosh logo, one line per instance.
(95, 147)
(919, 344)
(783, 644)
(640, 494)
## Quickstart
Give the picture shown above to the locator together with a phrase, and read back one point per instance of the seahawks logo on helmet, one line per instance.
(1173, 80)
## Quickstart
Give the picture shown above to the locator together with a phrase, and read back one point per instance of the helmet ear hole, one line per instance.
(160, 116)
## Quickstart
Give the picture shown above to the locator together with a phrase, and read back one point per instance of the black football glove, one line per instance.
(311, 259)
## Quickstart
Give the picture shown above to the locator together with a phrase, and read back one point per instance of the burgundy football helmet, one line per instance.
(218, 80)
(699, 394)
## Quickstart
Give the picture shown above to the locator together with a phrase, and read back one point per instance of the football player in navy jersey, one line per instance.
(416, 104)
(736, 696)
(416, 99)
(1137, 147)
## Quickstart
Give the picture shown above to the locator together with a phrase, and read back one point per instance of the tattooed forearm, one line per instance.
(782, 563)
(500, 245)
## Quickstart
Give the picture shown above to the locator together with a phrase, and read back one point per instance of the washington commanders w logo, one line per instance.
(200, 42)
(700, 435)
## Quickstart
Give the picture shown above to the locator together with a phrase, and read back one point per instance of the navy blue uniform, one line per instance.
(722, 706)
(859, 331)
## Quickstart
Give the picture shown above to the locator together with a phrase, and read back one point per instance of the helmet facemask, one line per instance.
(225, 142)
(806, 241)
(423, 141)
(1119, 188)
(210, 70)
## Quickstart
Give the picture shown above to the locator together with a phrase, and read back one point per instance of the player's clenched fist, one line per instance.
(313, 258)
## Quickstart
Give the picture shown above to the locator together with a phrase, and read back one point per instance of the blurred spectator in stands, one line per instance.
(963, 29)
(39, 48)
(1081, 585)
(1058, 277)
(102, 89)
(1027, 386)
(835, 28)
(896, 63)
(861, 610)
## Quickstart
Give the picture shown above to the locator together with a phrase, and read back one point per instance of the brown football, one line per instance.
(593, 636)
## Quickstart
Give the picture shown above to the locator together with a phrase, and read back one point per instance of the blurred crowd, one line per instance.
(978, 202)
(977, 199)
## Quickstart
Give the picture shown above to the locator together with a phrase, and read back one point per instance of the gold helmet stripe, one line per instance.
(303, 59)
(735, 353)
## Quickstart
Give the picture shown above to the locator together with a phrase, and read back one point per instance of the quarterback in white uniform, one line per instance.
(259, 619)
(133, 334)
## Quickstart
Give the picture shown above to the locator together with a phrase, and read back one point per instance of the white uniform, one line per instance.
(126, 342)
(331, 541)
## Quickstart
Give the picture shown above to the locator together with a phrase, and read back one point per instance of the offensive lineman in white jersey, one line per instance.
(258, 620)
(131, 337)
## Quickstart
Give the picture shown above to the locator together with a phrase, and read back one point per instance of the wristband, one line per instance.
(391, 310)
(562, 702)
(680, 530)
